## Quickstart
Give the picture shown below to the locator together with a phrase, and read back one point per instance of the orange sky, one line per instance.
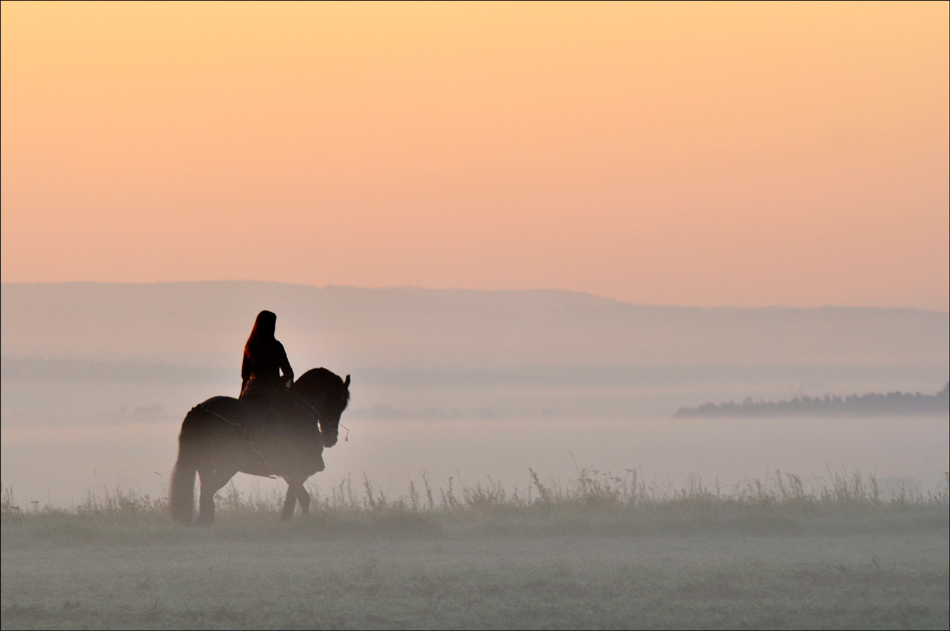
(668, 154)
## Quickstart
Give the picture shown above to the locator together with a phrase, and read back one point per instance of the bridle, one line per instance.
(316, 415)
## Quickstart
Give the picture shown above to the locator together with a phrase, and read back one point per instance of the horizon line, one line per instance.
(479, 290)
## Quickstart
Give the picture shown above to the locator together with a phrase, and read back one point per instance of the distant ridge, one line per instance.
(422, 353)
(873, 404)
(206, 324)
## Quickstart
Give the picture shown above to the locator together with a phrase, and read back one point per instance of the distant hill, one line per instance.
(206, 324)
(421, 354)
(873, 404)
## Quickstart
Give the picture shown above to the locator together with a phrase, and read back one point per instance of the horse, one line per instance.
(223, 436)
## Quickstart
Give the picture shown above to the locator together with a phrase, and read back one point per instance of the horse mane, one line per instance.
(317, 379)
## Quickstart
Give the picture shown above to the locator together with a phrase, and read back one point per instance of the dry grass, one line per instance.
(595, 503)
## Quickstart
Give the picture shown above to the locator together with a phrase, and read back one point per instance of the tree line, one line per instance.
(872, 404)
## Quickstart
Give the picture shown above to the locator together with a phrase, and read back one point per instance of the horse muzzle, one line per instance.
(330, 438)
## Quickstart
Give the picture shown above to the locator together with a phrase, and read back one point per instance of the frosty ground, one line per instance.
(768, 558)
(852, 581)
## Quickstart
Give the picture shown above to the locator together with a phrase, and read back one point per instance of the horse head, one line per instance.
(328, 396)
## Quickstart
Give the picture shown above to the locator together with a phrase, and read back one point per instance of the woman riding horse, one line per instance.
(264, 359)
(222, 436)
(281, 433)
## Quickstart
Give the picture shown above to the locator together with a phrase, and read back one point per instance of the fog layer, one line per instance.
(96, 379)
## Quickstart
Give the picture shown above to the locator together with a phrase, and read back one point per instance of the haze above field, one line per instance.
(424, 348)
(97, 377)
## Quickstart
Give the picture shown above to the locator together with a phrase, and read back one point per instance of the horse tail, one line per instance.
(181, 493)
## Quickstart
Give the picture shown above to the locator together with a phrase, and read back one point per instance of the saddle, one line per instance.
(267, 392)
(270, 430)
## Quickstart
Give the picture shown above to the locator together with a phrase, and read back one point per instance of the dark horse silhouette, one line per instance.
(223, 436)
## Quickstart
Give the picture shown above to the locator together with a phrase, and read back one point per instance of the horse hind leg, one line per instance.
(290, 502)
(211, 483)
(295, 493)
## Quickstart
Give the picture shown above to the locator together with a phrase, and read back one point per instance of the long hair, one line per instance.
(262, 333)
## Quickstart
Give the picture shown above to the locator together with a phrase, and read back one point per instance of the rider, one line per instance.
(264, 360)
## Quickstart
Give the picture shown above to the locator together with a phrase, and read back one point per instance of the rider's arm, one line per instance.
(245, 371)
(285, 366)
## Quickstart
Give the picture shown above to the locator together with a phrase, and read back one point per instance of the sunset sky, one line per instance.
(692, 154)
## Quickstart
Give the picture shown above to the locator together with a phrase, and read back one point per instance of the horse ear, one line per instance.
(347, 381)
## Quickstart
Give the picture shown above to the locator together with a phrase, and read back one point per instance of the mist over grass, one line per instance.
(595, 503)
(97, 377)
(597, 551)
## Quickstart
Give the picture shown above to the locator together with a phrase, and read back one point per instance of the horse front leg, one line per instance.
(211, 482)
(304, 498)
(295, 493)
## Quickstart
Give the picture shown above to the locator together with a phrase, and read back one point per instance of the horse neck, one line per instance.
(313, 392)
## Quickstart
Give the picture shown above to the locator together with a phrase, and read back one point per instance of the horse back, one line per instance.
(216, 416)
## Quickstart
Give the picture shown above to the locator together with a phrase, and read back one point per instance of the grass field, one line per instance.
(599, 552)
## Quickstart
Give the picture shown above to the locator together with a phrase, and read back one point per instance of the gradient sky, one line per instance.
(698, 154)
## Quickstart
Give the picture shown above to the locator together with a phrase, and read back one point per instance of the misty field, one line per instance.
(599, 552)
